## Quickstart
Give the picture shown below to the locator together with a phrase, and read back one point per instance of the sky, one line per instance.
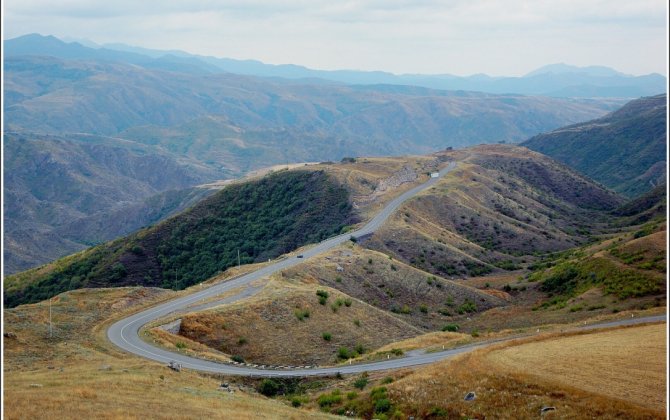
(461, 37)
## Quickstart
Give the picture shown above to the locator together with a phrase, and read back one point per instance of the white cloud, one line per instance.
(427, 36)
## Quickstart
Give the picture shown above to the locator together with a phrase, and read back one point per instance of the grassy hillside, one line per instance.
(256, 330)
(648, 206)
(631, 266)
(501, 206)
(261, 219)
(624, 150)
(415, 296)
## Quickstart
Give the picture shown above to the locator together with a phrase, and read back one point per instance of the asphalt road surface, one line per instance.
(125, 333)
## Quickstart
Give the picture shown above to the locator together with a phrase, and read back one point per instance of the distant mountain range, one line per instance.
(98, 134)
(624, 150)
(557, 80)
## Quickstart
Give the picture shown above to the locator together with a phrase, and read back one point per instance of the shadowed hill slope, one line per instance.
(624, 150)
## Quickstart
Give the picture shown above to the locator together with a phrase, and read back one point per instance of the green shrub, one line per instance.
(361, 382)
(382, 405)
(359, 348)
(563, 279)
(438, 412)
(343, 353)
(326, 401)
(451, 327)
(323, 296)
(301, 314)
(357, 322)
(387, 380)
(347, 302)
(237, 358)
(268, 387)
(423, 308)
(180, 345)
(467, 306)
(327, 336)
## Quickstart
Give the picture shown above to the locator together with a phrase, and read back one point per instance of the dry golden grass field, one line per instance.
(627, 364)
(612, 374)
(77, 374)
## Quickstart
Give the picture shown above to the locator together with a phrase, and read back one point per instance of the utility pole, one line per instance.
(50, 325)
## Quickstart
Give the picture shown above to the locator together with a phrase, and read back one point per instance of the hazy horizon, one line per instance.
(112, 45)
(401, 37)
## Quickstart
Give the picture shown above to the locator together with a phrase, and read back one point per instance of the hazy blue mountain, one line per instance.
(558, 80)
(35, 44)
(624, 150)
(64, 193)
(562, 68)
(111, 98)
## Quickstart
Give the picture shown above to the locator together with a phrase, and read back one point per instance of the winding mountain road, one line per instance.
(125, 332)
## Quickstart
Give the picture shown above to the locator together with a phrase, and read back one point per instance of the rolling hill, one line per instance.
(625, 150)
(245, 223)
(501, 204)
(51, 95)
(109, 110)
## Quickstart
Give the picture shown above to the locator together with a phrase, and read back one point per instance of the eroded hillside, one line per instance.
(500, 206)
